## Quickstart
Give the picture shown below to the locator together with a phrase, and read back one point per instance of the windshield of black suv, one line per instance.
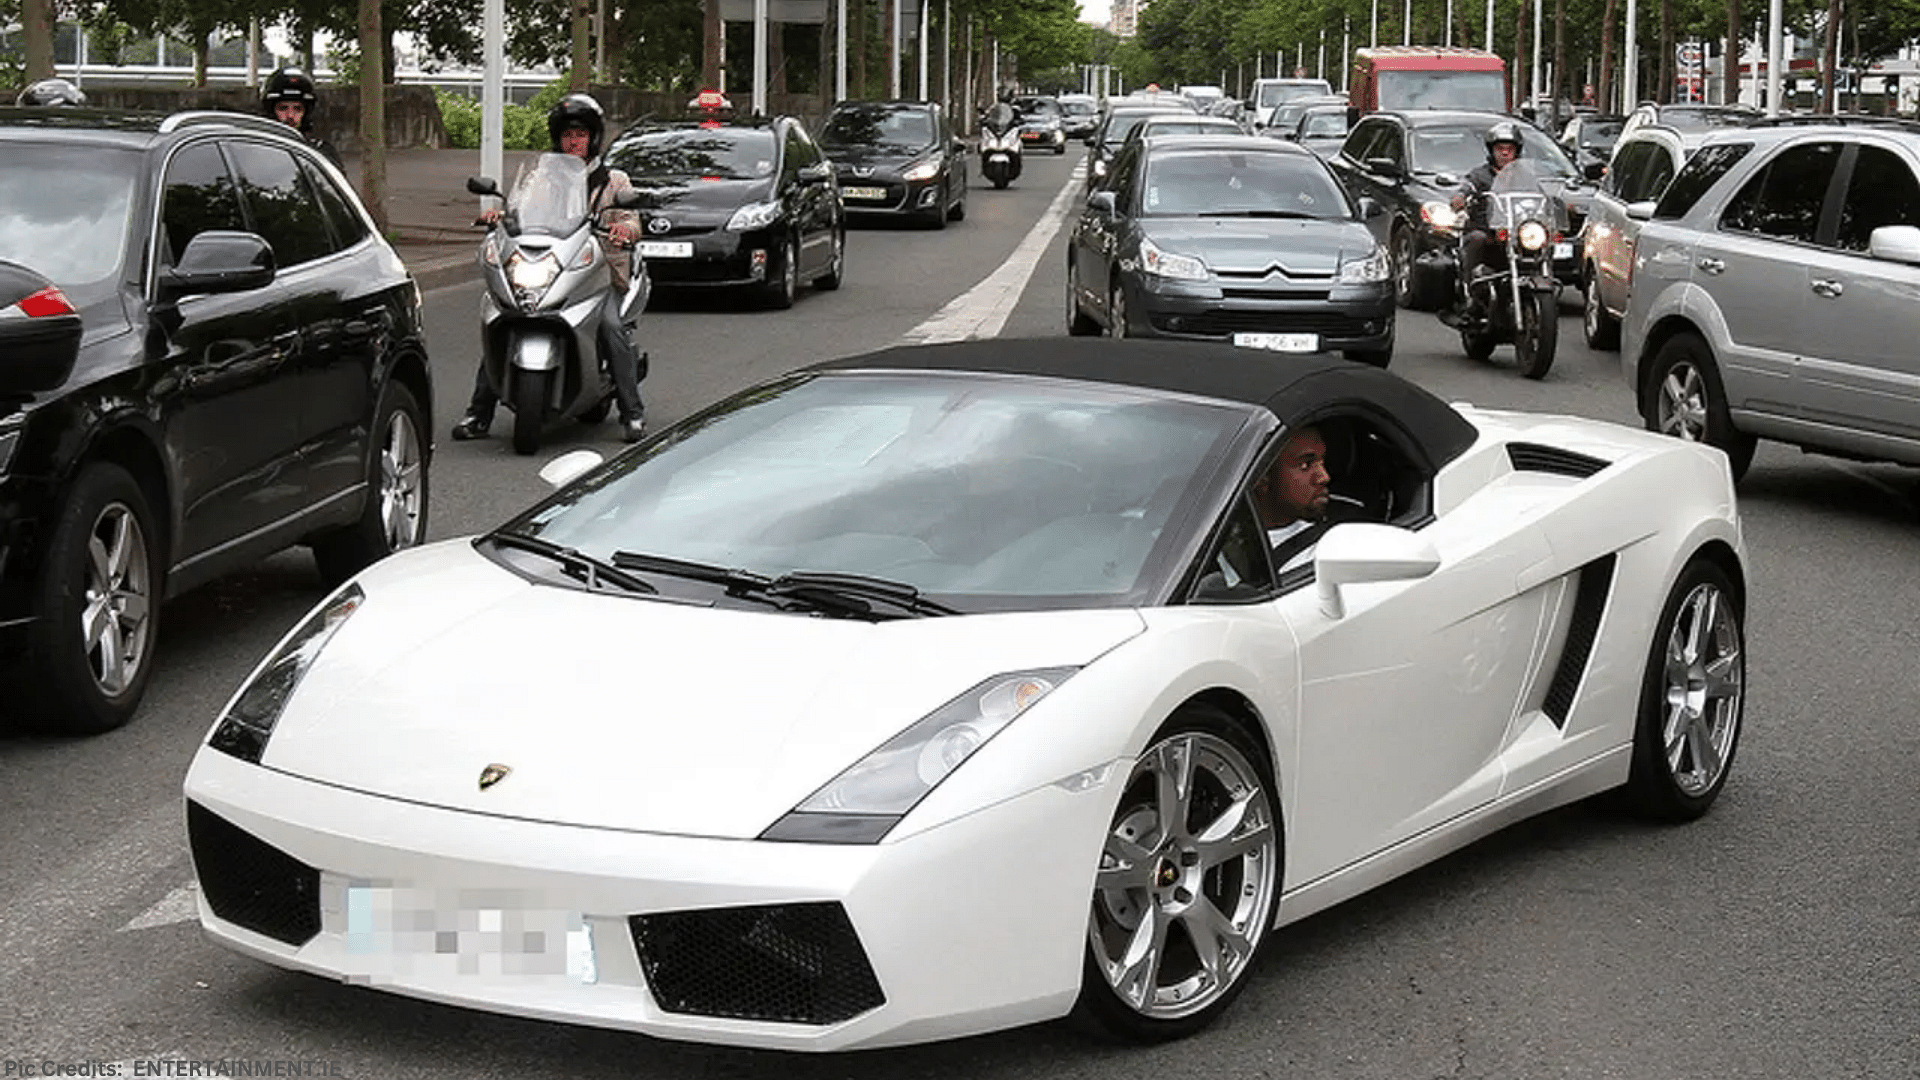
(1600, 134)
(1480, 91)
(1457, 149)
(64, 213)
(892, 127)
(1206, 183)
(726, 153)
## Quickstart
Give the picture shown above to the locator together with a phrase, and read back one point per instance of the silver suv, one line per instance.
(1643, 164)
(1774, 293)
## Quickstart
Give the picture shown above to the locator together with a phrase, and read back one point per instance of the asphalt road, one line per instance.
(1779, 937)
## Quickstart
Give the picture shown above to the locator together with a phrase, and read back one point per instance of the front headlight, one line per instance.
(1533, 235)
(248, 720)
(532, 273)
(926, 170)
(1375, 267)
(754, 216)
(1100, 167)
(1166, 264)
(864, 802)
(1439, 215)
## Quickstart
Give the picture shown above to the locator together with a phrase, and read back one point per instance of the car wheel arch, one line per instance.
(1243, 712)
(411, 370)
(1721, 554)
(1661, 332)
(128, 444)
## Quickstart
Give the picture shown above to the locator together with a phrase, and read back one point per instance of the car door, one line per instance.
(340, 385)
(1108, 239)
(817, 198)
(224, 372)
(1608, 224)
(1754, 266)
(1858, 367)
(1350, 165)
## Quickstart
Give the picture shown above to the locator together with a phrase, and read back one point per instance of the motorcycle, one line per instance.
(547, 280)
(1518, 297)
(1000, 146)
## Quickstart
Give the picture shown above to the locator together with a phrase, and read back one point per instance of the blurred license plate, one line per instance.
(863, 192)
(1279, 342)
(666, 249)
(392, 932)
(1563, 251)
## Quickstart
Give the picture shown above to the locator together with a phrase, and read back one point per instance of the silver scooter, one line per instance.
(547, 281)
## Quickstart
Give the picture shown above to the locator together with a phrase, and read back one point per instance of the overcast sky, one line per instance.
(1094, 11)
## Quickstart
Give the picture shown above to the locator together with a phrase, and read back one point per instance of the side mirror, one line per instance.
(1641, 211)
(483, 185)
(1092, 138)
(1595, 170)
(959, 146)
(569, 467)
(219, 261)
(1386, 167)
(1445, 179)
(38, 350)
(1370, 207)
(1353, 116)
(817, 173)
(1895, 243)
(1359, 553)
(1102, 201)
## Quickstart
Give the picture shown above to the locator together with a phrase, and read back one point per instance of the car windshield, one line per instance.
(73, 232)
(989, 493)
(1682, 118)
(1079, 108)
(1196, 126)
(879, 126)
(551, 196)
(1330, 124)
(1037, 107)
(1600, 134)
(1481, 91)
(1458, 149)
(702, 153)
(1119, 124)
(1201, 183)
(1272, 94)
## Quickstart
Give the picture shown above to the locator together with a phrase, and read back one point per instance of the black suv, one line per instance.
(252, 376)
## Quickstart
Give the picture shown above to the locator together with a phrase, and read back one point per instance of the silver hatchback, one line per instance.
(1775, 293)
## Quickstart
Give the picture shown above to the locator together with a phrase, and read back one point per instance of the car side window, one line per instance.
(348, 227)
(1360, 143)
(1656, 173)
(803, 143)
(1236, 569)
(1622, 177)
(1784, 199)
(1703, 170)
(1880, 192)
(283, 208)
(1391, 145)
(1125, 170)
(200, 197)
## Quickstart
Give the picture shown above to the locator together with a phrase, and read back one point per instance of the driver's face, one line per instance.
(1295, 488)
(1504, 153)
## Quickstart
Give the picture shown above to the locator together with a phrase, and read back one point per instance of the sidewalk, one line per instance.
(430, 213)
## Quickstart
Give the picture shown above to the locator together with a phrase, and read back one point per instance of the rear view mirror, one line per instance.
(1641, 211)
(569, 467)
(1385, 166)
(220, 261)
(1359, 553)
(483, 185)
(817, 173)
(1102, 202)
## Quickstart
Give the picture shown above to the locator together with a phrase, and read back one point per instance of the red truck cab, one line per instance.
(1405, 77)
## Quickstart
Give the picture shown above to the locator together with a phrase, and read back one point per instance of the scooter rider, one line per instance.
(290, 98)
(1504, 143)
(577, 126)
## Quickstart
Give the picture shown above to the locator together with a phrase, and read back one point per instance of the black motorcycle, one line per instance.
(1517, 297)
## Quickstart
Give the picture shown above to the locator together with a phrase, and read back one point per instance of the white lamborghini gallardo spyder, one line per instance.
(754, 734)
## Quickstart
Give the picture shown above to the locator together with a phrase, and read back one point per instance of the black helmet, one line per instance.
(581, 111)
(290, 84)
(1505, 131)
(52, 92)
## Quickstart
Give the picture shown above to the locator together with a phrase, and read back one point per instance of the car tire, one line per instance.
(1477, 344)
(1692, 699)
(1079, 323)
(1403, 288)
(97, 608)
(395, 517)
(958, 211)
(1601, 329)
(529, 409)
(836, 264)
(936, 218)
(1152, 877)
(781, 292)
(1684, 397)
(1117, 311)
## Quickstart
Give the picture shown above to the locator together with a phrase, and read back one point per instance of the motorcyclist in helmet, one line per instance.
(577, 126)
(1504, 143)
(290, 98)
(51, 92)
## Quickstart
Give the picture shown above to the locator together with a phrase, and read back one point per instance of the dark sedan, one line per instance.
(1322, 129)
(897, 158)
(1236, 238)
(748, 203)
(1042, 124)
(1111, 135)
(1412, 163)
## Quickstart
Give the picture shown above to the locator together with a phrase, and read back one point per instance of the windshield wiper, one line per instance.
(692, 571)
(854, 594)
(574, 562)
(1257, 213)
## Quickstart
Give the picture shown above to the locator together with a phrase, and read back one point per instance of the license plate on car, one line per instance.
(1294, 343)
(1563, 250)
(401, 932)
(666, 249)
(863, 192)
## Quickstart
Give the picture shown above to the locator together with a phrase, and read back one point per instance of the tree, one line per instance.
(36, 19)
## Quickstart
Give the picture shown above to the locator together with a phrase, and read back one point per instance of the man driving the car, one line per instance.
(1293, 496)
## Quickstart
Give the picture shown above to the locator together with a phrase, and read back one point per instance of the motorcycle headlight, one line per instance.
(247, 721)
(754, 216)
(926, 170)
(1373, 268)
(1533, 235)
(864, 802)
(490, 253)
(1441, 216)
(532, 273)
(1100, 168)
(1167, 264)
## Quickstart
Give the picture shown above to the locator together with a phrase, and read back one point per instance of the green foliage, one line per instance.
(522, 127)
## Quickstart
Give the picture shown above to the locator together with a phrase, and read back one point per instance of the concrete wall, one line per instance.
(413, 115)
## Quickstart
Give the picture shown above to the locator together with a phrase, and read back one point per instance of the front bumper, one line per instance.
(1044, 138)
(895, 196)
(1345, 317)
(929, 913)
(718, 257)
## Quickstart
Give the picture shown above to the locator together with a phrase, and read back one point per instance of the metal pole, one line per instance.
(1630, 81)
(839, 50)
(1489, 45)
(946, 61)
(1322, 72)
(1406, 24)
(1373, 35)
(1449, 34)
(893, 54)
(1776, 58)
(493, 92)
(600, 42)
(926, 7)
(1535, 73)
(760, 57)
(1346, 51)
(253, 51)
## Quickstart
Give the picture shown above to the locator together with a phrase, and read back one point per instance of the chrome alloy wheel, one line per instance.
(1188, 877)
(1705, 678)
(116, 616)
(400, 482)
(1681, 404)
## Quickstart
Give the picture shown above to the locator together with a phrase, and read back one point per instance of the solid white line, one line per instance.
(179, 905)
(981, 311)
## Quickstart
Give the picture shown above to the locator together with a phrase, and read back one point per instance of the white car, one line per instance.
(952, 688)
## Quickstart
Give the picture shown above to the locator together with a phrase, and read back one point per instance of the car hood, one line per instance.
(619, 712)
(1296, 246)
(687, 200)
(879, 157)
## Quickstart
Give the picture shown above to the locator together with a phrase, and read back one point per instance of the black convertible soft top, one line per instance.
(1296, 389)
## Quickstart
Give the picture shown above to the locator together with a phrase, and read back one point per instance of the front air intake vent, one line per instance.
(251, 883)
(1533, 457)
(795, 963)
(1589, 603)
